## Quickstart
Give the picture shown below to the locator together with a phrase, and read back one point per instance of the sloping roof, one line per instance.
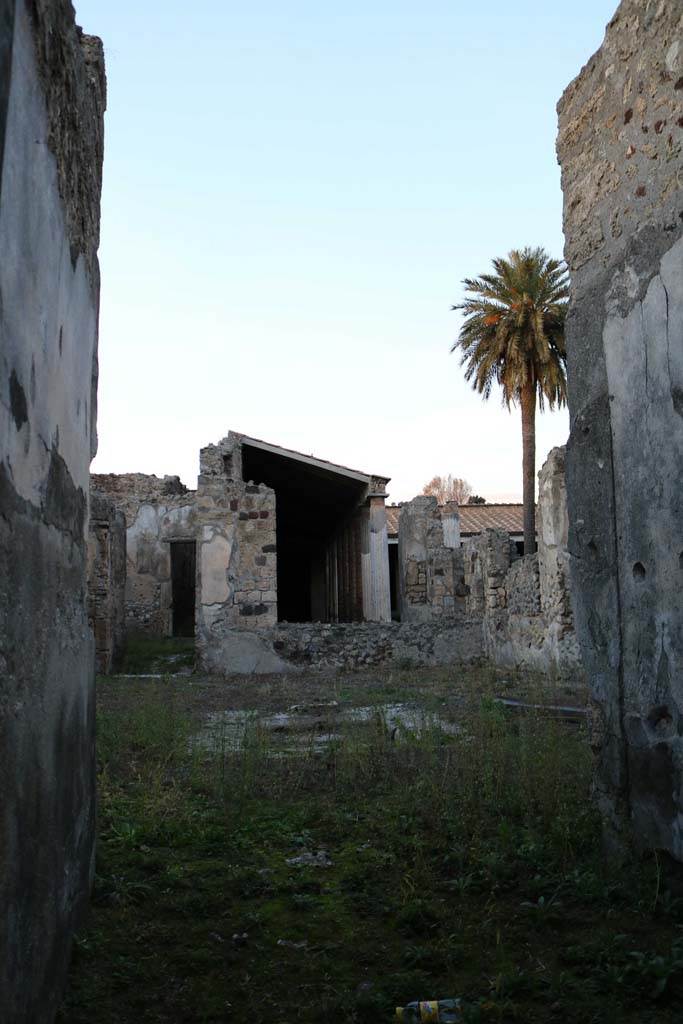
(333, 467)
(474, 518)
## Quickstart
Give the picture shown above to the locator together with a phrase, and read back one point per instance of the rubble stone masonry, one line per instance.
(360, 645)
(430, 561)
(456, 601)
(236, 559)
(525, 603)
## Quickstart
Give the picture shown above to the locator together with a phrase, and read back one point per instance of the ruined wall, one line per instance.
(486, 560)
(52, 94)
(525, 603)
(157, 510)
(619, 145)
(429, 561)
(553, 560)
(233, 525)
(316, 645)
(237, 594)
(107, 582)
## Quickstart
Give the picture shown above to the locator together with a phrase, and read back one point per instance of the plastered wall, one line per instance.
(620, 148)
(52, 96)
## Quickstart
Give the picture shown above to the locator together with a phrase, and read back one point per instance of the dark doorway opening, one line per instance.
(393, 581)
(183, 586)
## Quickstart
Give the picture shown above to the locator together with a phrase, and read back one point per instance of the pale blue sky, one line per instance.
(293, 193)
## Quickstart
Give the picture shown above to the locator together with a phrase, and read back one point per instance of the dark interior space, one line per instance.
(393, 581)
(312, 502)
(183, 586)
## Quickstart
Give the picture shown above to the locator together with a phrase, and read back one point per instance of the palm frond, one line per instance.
(513, 327)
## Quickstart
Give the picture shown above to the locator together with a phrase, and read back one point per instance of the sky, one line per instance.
(293, 193)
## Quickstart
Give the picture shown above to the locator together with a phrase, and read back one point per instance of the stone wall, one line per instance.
(525, 603)
(486, 560)
(316, 645)
(157, 510)
(553, 558)
(429, 561)
(52, 96)
(237, 556)
(522, 606)
(233, 524)
(107, 582)
(523, 587)
(620, 147)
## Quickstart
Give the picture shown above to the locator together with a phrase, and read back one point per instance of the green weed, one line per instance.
(463, 864)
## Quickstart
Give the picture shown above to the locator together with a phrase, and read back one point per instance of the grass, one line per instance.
(455, 865)
(157, 654)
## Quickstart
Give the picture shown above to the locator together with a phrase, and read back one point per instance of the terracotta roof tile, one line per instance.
(474, 518)
(477, 518)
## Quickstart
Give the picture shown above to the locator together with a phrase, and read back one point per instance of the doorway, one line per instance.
(183, 586)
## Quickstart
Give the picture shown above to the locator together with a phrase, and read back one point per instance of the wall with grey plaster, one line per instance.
(620, 145)
(50, 166)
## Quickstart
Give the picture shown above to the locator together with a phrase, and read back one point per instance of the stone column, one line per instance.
(619, 146)
(375, 561)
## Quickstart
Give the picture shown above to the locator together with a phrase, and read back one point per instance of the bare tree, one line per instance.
(448, 488)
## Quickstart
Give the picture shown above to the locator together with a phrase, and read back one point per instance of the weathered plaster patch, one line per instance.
(216, 550)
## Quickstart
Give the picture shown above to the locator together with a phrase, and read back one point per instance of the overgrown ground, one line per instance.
(463, 864)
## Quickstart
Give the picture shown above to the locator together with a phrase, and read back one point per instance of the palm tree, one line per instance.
(513, 335)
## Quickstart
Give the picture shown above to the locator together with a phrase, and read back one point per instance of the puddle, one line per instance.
(561, 712)
(152, 675)
(410, 717)
(314, 726)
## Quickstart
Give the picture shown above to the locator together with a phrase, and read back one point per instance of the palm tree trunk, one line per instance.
(528, 404)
